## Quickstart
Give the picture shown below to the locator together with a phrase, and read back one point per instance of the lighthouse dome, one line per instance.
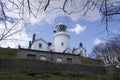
(60, 28)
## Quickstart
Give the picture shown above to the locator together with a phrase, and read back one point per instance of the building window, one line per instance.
(59, 59)
(81, 51)
(40, 45)
(69, 60)
(62, 44)
(43, 58)
(31, 56)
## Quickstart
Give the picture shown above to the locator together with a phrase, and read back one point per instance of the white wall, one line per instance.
(51, 48)
(59, 38)
(80, 50)
(36, 43)
(68, 51)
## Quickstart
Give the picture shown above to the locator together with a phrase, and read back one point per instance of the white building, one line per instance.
(61, 43)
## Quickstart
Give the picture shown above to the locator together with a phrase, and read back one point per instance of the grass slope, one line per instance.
(8, 53)
(90, 61)
(32, 75)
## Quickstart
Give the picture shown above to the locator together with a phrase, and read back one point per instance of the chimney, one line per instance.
(33, 39)
(19, 46)
(49, 43)
(29, 44)
(80, 45)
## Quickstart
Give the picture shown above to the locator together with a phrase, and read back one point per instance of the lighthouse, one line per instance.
(61, 43)
(61, 38)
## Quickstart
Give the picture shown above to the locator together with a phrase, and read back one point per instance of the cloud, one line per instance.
(97, 41)
(78, 29)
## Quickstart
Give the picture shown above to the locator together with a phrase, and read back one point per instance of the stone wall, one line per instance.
(50, 56)
(24, 64)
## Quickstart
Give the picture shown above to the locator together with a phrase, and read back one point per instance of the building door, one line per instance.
(69, 60)
(31, 56)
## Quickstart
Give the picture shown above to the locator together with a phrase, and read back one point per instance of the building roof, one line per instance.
(41, 40)
(48, 52)
(79, 48)
(36, 41)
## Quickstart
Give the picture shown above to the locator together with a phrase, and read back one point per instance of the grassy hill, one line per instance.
(40, 75)
(35, 75)
(90, 61)
(8, 53)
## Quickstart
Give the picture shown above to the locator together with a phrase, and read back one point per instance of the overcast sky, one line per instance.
(89, 30)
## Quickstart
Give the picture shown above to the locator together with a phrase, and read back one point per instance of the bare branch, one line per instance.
(13, 3)
(48, 2)
(7, 33)
(29, 6)
(106, 17)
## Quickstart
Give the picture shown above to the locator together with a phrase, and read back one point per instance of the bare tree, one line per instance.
(109, 52)
(99, 52)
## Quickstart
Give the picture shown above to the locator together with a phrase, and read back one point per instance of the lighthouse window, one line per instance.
(81, 52)
(40, 45)
(62, 44)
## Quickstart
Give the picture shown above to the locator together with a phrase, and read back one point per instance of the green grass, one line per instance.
(89, 61)
(38, 75)
(8, 53)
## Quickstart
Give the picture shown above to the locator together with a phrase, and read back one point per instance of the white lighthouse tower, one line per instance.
(61, 38)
